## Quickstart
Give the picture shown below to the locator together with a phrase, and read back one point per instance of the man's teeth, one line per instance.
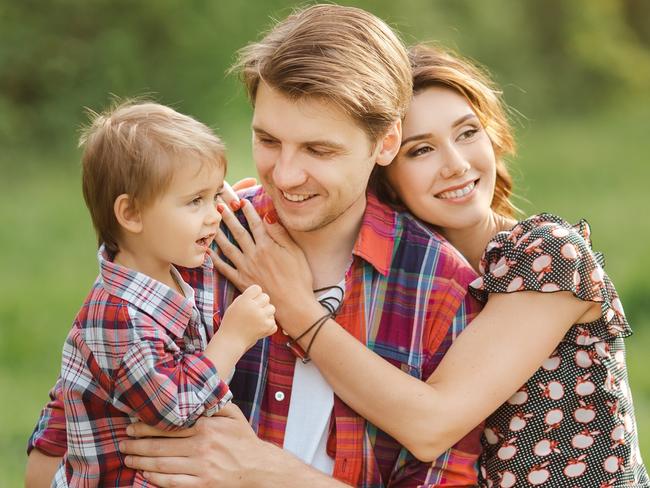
(461, 192)
(295, 198)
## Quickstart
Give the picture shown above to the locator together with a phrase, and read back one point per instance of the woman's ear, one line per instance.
(127, 214)
(389, 144)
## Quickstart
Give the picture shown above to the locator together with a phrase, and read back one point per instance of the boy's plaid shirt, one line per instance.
(406, 299)
(134, 353)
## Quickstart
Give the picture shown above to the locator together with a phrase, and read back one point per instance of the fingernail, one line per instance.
(271, 217)
(122, 446)
(127, 460)
(129, 430)
(220, 207)
(235, 205)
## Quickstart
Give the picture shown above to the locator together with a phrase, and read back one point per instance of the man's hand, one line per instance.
(218, 451)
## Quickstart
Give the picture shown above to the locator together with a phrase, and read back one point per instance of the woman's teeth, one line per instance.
(461, 192)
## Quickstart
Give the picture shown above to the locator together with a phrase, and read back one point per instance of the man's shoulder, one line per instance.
(415, 238)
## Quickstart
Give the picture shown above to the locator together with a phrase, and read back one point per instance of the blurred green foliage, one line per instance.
(575, 73)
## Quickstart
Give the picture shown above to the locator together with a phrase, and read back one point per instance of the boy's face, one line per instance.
(312, 159)
(180, 224)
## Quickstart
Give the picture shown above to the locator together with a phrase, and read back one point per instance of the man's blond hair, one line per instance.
(339, 54)
(133, 148)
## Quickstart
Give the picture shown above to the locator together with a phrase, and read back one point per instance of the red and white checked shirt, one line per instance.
(134, 353)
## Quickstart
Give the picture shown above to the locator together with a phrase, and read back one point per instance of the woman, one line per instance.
(548, 303)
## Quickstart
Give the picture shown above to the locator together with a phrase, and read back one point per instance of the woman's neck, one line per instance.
(471, 241)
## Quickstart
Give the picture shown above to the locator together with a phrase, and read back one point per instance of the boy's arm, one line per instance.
(164, 386)
(49, 435)
(48, 442)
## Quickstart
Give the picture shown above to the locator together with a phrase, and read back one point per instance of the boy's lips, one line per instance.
(206, 240)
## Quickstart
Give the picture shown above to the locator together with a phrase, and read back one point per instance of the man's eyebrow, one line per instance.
(335, 146)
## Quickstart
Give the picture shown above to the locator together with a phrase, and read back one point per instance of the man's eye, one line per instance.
(318, 152)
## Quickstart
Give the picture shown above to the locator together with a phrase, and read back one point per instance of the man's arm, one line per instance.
(218, 451)
(40, 469)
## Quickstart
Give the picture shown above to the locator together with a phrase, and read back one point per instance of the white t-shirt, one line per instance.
(312, 401)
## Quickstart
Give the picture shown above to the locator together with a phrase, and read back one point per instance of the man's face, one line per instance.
(312, 159)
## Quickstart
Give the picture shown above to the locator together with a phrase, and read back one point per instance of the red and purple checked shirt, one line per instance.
(134, 353)
(406, 298)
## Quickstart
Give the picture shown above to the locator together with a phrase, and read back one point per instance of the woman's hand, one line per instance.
(229, 194)
(270, 258)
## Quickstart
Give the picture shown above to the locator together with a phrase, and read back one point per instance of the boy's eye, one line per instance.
(217, 197)
(196, 201)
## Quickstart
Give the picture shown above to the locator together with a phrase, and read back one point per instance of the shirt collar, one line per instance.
(376, 239)
(166, 306)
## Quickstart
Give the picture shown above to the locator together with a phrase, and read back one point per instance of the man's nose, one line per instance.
(288, 171)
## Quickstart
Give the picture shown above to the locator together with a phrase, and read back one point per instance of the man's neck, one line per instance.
(329, 249)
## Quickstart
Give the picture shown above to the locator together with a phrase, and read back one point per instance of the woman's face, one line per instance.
(445, 171)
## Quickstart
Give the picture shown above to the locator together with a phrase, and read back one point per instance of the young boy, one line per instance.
(142, 346)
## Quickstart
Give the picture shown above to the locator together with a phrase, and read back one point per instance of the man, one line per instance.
(329, 85)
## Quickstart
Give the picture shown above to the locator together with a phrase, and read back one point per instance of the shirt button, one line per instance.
(279, 396)
(189, 348)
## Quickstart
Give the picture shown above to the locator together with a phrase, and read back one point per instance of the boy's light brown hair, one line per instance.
(133, 148)
(339, 54)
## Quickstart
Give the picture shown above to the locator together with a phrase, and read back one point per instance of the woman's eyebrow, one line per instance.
(427, 135)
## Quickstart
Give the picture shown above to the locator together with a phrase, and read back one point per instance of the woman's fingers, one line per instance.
(254, 221)
(226, 270)
(244, 183)
(239, 233)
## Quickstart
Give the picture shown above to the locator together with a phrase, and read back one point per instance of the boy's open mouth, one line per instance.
(205, 241)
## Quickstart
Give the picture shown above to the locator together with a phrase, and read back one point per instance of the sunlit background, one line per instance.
(576, 75)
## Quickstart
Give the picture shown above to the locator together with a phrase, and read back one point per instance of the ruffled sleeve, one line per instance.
(547, 254)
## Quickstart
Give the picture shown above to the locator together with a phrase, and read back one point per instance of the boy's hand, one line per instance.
(250, 317)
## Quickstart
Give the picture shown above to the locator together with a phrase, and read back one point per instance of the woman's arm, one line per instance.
(494, 356)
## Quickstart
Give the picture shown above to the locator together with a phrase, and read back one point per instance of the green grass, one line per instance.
(592, 168)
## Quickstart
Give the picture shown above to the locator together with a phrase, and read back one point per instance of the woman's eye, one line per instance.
(467, 134)
(419, 151)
